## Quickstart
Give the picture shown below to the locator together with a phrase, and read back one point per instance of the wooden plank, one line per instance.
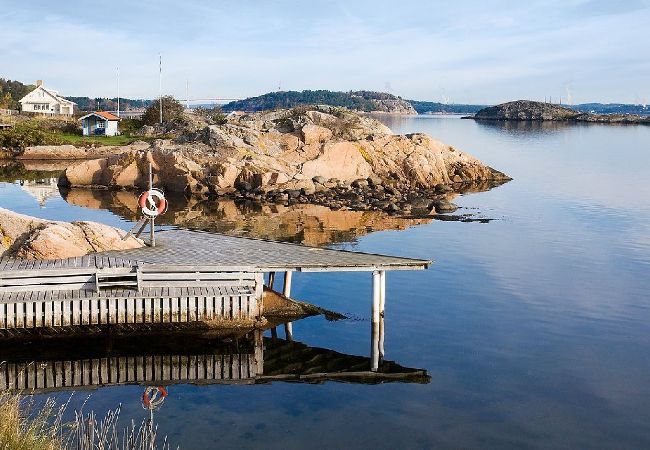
(130, 310)
(189, 283)
(45, 273)
(20, 315)
(156, 304)
(67, 313)
(56, 313)
(236, 307)
(196, 276)
(148, 307)
(85, 311)
(175, 313)
(10, 315)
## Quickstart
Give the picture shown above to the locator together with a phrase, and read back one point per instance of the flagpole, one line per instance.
(160, 90)
(118, 92)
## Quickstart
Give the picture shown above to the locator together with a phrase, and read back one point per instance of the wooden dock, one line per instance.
(188, 277)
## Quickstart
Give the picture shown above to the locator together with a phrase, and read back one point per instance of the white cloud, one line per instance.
(473, 52)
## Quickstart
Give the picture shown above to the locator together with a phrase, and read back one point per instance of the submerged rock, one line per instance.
(28, 237)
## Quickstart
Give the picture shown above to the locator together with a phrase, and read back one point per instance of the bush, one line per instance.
(213, 115)
(130, 126)
(172, 110)
(27, 134)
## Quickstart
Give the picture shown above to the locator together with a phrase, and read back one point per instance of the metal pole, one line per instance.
(152, 237)
(160, 89)
(118, 92)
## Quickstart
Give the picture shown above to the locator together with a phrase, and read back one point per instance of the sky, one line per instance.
(483, 52)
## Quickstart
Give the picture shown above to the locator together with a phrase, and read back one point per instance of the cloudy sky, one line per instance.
(460, 51)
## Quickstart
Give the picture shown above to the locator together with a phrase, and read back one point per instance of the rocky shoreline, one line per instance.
(323, 156)
(366, 195)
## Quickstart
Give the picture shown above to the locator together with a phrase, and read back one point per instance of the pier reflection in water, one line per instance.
(89, 362)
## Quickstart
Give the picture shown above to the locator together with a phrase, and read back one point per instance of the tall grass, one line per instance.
(24, 427)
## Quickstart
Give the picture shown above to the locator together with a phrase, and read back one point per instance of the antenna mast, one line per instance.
(118, 92)
(160, 88)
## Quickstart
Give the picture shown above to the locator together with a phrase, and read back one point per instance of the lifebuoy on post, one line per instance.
(153, 397)
(152, 203)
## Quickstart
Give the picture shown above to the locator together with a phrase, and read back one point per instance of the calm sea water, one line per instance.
(534, 327)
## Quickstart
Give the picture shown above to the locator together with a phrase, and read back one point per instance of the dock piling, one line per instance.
(286, 291)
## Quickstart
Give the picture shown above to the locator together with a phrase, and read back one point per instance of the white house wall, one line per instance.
(111, 128)
(39, 97)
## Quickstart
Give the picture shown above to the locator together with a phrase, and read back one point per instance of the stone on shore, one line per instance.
(28, 237)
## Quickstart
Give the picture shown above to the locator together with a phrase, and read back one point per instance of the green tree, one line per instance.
(172, 110)
(6, 102)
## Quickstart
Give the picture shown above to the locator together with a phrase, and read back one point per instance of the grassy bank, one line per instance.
(21, 430)
(23, 426)
(78, 140)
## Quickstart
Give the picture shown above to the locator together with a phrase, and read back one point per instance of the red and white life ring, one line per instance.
(153, 397)
(152, 203)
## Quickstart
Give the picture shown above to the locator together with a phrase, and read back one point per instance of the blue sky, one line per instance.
(460, 51)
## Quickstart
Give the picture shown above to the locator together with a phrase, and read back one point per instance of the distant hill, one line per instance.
(367, 101)
(423, 107)
(540, 111)
(612, 108)
(108, 104)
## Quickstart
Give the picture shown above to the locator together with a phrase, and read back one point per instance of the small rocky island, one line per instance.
(320, 155)
(540, 111)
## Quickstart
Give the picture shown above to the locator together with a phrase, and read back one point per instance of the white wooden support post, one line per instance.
(374, 347)
(382, 307)
(286, 291)
(271, 280)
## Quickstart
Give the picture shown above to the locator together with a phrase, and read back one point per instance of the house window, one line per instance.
(100, 124)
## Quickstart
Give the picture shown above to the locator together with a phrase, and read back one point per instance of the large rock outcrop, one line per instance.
(285, 150)
(27, 237)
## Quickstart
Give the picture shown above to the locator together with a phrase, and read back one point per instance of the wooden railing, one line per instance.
(130, 295)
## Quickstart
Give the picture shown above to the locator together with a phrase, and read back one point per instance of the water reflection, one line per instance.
(74, 363)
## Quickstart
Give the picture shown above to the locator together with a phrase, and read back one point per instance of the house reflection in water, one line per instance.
(41, 189)
(154, 360)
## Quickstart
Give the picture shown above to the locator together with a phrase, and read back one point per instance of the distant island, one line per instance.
(539, 111)
(364, 101)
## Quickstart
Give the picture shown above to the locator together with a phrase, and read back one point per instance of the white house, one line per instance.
(46, 101)
(100, 123)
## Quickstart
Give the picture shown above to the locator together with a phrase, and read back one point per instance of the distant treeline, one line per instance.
(612, 108)
(108, 104)
(357, 100)
(11, 92)
(435, 107)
